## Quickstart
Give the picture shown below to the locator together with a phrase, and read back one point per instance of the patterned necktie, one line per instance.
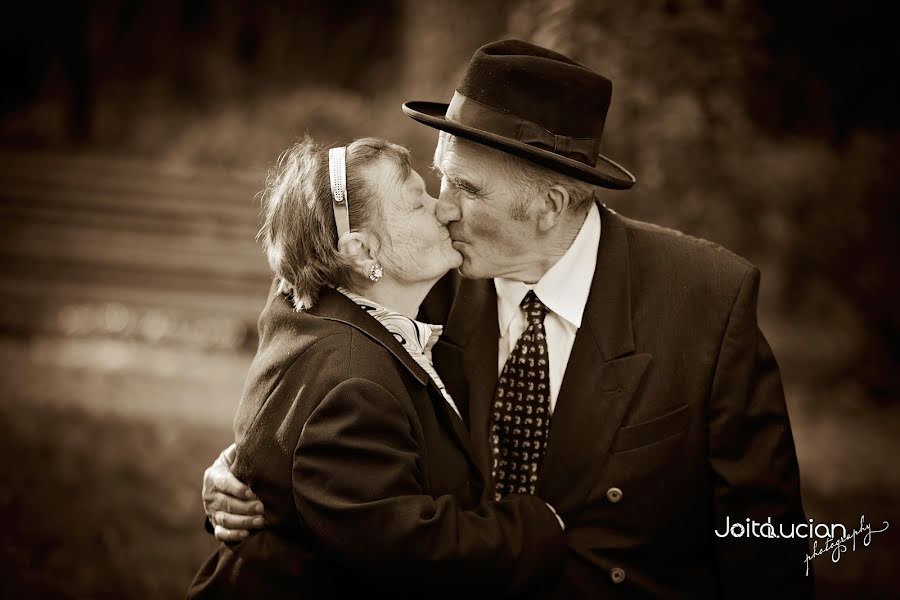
(520, 423)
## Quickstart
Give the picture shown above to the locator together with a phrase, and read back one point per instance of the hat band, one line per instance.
(472, 113)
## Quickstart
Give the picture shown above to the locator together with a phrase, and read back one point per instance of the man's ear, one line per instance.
(360, 248)
(556, 201)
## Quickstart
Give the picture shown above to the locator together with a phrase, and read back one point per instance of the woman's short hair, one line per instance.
(298, 231)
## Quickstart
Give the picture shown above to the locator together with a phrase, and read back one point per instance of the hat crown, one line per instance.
(535, 104)
(539, 85)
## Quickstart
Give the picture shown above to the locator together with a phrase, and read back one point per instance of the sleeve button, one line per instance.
(617, 575)
(613, 494)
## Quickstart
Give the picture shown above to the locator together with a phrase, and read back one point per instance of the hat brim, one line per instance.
(607, 173)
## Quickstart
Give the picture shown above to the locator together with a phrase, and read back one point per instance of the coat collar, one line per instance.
(607, 314)
(335, 306)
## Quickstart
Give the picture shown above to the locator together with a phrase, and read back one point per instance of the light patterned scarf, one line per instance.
(417, 338)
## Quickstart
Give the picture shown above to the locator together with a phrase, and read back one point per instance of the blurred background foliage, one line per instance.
(768, 127)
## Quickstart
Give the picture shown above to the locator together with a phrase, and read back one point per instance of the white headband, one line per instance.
(337, 168)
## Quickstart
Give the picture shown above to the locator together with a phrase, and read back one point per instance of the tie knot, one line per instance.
(534, 309)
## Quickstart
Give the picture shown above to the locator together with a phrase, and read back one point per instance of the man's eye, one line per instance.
(464, 186)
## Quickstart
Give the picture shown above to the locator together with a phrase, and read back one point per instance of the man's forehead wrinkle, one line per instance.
(456, 160)
(467, 168)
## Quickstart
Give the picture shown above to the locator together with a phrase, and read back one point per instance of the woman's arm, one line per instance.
(357, 487)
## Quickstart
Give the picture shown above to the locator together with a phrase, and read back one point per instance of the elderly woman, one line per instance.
(345, 432)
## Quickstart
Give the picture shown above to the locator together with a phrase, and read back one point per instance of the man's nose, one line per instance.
(447, 210)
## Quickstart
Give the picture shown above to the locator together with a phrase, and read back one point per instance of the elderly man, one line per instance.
(612, 367)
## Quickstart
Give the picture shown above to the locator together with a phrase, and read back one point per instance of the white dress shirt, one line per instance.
(564, 290)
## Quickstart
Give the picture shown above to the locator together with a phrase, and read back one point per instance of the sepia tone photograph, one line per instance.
(449, 299)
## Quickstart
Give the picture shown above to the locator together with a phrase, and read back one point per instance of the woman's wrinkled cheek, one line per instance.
(409, 252)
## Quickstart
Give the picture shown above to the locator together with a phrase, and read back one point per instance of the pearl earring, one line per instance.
(376, 272)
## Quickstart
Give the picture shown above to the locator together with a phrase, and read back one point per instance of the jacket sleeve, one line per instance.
(754, 463)
(357, 486)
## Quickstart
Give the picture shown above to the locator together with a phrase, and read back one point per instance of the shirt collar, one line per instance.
(564, 288)
(415, 336)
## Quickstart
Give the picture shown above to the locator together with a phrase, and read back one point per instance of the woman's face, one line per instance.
(415, 246)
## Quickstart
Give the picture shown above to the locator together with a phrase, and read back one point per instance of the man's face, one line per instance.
(482, 210)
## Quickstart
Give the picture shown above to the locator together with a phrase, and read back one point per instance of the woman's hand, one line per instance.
(232, 508)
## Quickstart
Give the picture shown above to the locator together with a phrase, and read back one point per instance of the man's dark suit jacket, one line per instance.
(670, 418)
(367, 477)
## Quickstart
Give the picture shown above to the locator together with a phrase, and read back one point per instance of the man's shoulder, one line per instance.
(652, 244)
(673, 271)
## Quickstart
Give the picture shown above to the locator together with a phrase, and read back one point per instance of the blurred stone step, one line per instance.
(171, 246)
(103, 200)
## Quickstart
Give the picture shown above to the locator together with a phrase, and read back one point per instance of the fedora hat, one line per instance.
(532, 103)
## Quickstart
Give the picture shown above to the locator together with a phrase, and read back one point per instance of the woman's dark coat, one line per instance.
(366, 476)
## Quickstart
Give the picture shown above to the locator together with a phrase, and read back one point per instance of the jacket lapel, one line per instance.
(602, 377)
(334, 306)
(466, 358)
